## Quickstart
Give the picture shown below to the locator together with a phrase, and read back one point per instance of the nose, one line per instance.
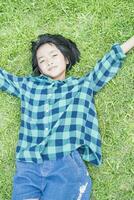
(50, 62)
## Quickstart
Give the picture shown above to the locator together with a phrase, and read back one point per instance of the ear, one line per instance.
(67, 61)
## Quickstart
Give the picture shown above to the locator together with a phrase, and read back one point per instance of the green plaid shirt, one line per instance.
(59, 116)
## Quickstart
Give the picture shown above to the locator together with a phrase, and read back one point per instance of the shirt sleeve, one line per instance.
(106, 68)
(10, 83)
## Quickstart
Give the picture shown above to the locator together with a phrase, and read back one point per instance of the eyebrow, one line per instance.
(49, 53)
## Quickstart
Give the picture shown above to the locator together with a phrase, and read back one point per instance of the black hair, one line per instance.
(67, 47)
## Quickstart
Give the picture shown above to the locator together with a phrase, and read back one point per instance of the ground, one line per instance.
(94, 26)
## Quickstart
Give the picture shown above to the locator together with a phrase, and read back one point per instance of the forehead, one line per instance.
(47, 49)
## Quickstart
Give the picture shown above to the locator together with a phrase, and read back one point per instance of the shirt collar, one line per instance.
(50, 80)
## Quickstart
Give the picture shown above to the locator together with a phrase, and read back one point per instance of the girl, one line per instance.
(59, 126)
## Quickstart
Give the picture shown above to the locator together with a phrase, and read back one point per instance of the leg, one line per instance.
(84, 190)
(63, 181)
(69, 180)
(31, 199)
(26, 182)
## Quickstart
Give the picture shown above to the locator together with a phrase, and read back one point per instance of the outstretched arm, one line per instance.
(106, 68)
(128, 45)
(10, 83)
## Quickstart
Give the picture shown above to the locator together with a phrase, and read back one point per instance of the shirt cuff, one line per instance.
(118, 51)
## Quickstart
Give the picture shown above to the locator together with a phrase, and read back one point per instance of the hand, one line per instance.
(128, 45)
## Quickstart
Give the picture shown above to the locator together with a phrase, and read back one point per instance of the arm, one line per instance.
(128, 45)
(10, 83)
(106, 68)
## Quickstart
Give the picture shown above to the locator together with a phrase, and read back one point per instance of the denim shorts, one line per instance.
(63, 179)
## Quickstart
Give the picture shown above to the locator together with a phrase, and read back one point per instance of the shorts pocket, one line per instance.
(75, 156)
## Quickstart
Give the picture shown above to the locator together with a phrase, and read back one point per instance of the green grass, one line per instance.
(94, 26)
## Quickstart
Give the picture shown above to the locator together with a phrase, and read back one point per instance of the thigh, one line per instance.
(26, 183)
(63, 181)
(69, 180)
(84, 190)
(85, 184)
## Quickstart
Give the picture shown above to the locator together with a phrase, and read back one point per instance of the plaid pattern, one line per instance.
(59, 116)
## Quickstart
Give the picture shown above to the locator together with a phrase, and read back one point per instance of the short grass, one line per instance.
(94, 26)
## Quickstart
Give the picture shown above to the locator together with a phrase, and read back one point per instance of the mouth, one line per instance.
(50, 68)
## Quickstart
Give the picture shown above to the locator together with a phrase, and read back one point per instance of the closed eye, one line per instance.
(42, 61)
(52, 56)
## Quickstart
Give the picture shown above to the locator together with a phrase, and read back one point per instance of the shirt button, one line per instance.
(47, 108)
(49, 95)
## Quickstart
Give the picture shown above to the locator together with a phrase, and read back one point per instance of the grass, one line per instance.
(94, 26)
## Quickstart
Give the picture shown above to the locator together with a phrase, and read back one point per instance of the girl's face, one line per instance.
(51, 61)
